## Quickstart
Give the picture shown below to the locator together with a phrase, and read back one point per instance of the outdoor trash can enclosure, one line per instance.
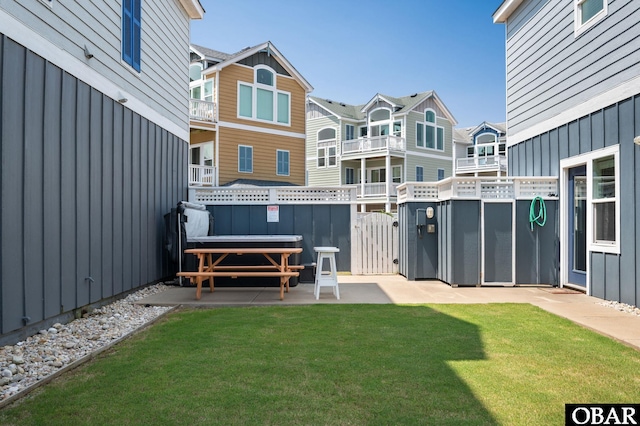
(245, 241)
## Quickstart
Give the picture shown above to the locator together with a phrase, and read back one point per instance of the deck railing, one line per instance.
(377, 143)
(481, 164)
(202, 110)
(201, 175)
(377, 189)
(508, 188)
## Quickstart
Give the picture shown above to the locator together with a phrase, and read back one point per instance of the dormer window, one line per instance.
(261, 101)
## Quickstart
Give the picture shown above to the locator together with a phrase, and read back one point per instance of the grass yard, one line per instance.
(497, 364)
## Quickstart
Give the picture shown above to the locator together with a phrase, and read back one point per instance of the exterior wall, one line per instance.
(85, 183)
(264, 156)
(200, 136)
(69, 26)
(612, 276)
(325, 176)
(265, 138)
(553, 70)
(430, 159)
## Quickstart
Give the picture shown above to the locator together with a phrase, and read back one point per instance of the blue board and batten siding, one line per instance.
(613, 276)
(85, 184)
(570, 94)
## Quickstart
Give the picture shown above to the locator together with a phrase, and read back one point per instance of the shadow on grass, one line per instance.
(319, 364)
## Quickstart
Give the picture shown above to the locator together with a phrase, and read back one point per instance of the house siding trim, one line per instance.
(39, 45)
(610, 97)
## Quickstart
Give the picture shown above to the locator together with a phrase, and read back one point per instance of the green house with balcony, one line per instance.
(379, 145)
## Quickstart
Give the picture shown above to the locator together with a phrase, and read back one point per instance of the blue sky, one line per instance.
(349, 50)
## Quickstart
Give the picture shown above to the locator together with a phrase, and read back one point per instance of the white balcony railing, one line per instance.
(202, 110)
(201, 175)
(376, 189)
(377, 143)
(481, 164)
(508, 188)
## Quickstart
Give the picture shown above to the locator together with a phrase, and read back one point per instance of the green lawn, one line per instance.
(502, 364)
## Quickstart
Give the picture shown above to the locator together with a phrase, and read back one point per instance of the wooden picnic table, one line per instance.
(210, 266)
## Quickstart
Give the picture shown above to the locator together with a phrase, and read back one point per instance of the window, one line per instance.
(327, 148)
(362, 131)
(245, 159)
(349, 176)
(131, 22)
(282, 168)
(428, 135)
(604, 200)
(440, 174)
(587, 13)
(349, 132)
(601, 195)
(262, 101)
(397, 128)
(195, 72)
(419, 174)
(396, 174)
(202, 90)
(377, 175)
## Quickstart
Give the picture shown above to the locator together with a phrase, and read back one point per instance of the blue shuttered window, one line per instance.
(282, 163)
(131, 23)
(245, 159)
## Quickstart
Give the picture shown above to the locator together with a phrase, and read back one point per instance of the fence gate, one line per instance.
(375, 240)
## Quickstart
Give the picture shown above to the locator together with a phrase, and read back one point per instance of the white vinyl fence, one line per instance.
(375, 244)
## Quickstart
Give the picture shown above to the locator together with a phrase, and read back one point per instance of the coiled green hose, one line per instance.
(540, 217)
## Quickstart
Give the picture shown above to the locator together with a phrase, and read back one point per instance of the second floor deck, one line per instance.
(481, 164)
(202, 110)
(381, 145)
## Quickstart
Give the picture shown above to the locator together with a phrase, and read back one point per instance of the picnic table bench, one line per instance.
(210, 267)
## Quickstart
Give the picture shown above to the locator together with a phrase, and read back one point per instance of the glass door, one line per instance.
(577, 226)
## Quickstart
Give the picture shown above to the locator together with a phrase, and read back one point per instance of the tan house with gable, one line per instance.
(247, 118)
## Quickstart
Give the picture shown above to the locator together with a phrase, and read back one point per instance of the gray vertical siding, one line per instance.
(613, 277)
(549, 70)
(85, 183)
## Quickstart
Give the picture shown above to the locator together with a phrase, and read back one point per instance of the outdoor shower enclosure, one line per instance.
(476, 231)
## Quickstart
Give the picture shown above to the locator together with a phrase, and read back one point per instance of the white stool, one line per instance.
(326, 278)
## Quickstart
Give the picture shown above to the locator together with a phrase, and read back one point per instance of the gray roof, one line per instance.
(465, 134)
(216, 55)
(354, 112)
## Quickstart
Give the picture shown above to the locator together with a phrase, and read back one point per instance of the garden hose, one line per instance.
(540, 217)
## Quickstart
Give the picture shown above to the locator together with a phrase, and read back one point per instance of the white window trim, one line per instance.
(579, 28)
(245, 146)
(353, 132)
(288, 163)
(254, 97)
(587, 160)
(424, 125)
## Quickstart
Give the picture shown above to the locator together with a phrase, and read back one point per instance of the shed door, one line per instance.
(497, 246)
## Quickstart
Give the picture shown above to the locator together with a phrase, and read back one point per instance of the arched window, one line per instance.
(428, 134)
(261, 100)
(195, 72)
(327, 147)
(264, 76)
(379, 122)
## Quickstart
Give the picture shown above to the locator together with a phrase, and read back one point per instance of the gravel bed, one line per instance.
(623, 307)
(30, 361)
